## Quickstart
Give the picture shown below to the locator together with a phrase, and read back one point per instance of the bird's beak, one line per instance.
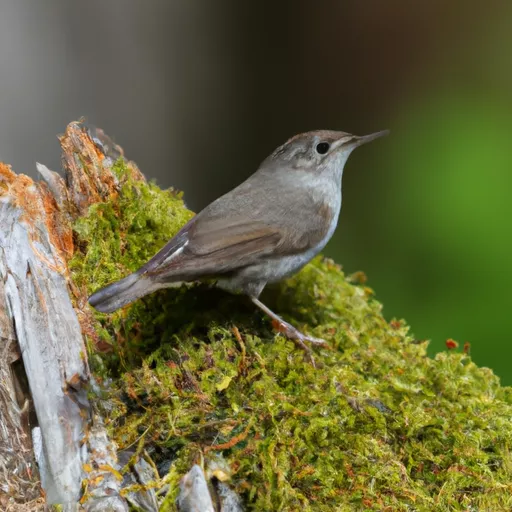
(359, 141)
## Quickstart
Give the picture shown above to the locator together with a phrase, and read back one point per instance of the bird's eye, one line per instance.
(322, 148)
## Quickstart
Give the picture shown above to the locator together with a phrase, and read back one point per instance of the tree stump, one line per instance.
(106, 412)
(39, 324)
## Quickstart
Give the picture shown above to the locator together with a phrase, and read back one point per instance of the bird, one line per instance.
(263, 231)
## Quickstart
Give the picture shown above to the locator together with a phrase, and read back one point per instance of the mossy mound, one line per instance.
(197, 372)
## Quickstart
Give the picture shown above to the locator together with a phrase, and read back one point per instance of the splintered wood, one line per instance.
(43, 317)
(37, 315)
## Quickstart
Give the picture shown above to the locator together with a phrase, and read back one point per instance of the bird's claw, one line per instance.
(298, 337)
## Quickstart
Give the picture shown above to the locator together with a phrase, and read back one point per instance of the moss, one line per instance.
(114, 239)
(197, 372)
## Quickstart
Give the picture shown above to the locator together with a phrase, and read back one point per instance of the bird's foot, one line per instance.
(289, 331)
(298, 337)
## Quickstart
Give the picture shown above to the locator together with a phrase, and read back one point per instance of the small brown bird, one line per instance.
(264, 230)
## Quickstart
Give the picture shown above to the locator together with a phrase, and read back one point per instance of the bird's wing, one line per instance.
(213, 246)
(222, 238)
(212, 235)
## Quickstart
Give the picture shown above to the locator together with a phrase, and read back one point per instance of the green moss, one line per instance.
(114, 239)
(377, 426)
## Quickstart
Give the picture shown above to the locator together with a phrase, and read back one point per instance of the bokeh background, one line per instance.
(199, 92)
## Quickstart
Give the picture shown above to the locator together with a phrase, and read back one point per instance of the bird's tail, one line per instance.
(120, 293)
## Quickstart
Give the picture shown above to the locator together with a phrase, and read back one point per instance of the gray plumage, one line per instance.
(262, 231)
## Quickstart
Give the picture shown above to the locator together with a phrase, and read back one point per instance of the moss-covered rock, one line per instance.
(197, 372)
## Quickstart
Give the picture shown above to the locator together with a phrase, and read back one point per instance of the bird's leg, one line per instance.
(288, 330)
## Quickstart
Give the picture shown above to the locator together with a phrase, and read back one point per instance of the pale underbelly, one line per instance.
(273, 270)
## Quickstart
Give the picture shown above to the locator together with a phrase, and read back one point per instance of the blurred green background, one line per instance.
(433, 230)
(199, 93)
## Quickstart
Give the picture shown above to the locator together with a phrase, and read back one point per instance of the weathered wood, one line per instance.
(142, 474)
(38, 319)
(194, 494)
(43, 318)
(104, 483)
(228, 499)
(18, 476)
(45, 326)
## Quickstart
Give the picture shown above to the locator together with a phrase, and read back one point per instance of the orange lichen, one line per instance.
(59, 229)
(7, 176)
(232, 442)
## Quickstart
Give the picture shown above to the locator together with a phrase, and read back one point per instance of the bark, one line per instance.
(37, 317)
(45, 413)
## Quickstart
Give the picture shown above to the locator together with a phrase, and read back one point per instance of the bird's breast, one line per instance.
(328, 205)
(326, 221)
